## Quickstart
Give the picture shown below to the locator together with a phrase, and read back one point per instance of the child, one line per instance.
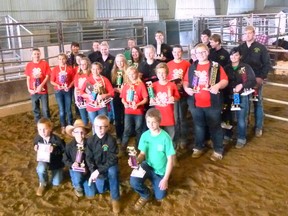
(74, 156)
(37, 72)
(56, 147)
(101, 156)
(62, 78)
(155, 158)
(134, 95)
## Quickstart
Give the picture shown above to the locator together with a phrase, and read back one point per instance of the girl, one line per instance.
(136, 56)
(62, 79)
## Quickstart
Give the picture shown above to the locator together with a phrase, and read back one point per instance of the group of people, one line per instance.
(215, 86)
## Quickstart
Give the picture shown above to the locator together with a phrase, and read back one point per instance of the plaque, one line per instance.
(43, 152)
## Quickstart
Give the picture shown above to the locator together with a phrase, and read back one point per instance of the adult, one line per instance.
(217, 52)
(95, 54)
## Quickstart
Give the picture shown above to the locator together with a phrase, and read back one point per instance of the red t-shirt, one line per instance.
(161, 95)
(63, 76)
(140, 92)
(103, 81)
(37, 72)
(177, 70)
(202, 99)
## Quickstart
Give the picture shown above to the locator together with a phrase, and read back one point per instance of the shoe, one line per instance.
(78, 192)
(239, 145)
(141, 202)
(40, 190)
(197, 153)
(63, 130)
(116, 206)
(216, 156)
(258, 132)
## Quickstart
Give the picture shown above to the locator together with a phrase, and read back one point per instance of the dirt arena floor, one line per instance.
(249, 181)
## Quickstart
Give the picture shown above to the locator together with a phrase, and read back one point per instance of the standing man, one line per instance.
(95, 54)
(37, 72)
(71, 61)
(163, 51)
(256, 55)
(217, 52)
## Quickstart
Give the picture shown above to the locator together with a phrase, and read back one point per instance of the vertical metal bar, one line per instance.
(3, 65)
(60, 36)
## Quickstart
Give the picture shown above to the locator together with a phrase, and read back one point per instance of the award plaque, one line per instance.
(236, 102)
(79, 159)
(43, 152)
(213, 74)
(158, 50)
(133, 156)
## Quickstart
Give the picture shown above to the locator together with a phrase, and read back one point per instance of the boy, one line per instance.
(163, 50)
(37, 72)
(74, 156)
(101, 156)
(155, 159)
(55, 147)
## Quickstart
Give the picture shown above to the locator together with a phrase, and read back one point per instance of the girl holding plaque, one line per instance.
(241, 76)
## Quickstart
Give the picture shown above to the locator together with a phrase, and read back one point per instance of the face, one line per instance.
(131, 43)
(132, 75)
(104, 50)
(120, 62)
(249, 34)
(201, 54)
(193, 54)
(101, 127)
(79, 134)
(83, 64)
(75, 49)
(161, 74)
(213, 44)
(36, 56)
(149, 53)
(62, 60)
(204, 38)
(177, 53)
(96, 70)
(152, 123)
(135, 53)
(235, 58)
(95, 46)
(44, 130)
(159, 37)
(78, 60)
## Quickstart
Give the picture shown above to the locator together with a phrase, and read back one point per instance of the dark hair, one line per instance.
(206, 32)
(76, 44)
(216, 38)
(235, 50)
(140, 54)
(178, 46)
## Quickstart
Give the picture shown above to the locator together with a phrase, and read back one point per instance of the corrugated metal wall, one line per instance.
(28, 10)
(240, 6)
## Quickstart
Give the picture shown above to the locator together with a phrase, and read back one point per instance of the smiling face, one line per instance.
(177, 53)
(120, 62)
(235, 58)
(96, 70)
(149, 53)
(36, 56)
(135, 54)
(202, 53)
(152, 123)
(249, 35)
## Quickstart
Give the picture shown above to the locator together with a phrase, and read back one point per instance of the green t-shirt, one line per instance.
(156, 149)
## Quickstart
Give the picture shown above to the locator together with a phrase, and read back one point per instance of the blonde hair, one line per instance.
(80, 71)
(201, 45)
(115, 69)
(250, 28)
(162, 65)
(63, 55)
(132, 69)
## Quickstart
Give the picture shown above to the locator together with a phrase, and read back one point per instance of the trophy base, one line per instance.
(79, 169)
(254, 99)
(247, 92)
(235, 108)
(224, 125)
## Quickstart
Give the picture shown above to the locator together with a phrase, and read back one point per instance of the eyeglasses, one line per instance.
(101, 127)
(201, 53)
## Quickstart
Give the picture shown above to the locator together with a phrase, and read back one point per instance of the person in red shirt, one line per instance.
(37, 73)
(134, 95)
(98, 92)
(202, 83)
(62, 78)
(177, 70)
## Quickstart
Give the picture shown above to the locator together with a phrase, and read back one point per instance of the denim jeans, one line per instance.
(109, 182)
(119, 116)
(208, 117)
(111, 114)
(258, 110)
(131, 123)
(36, 98)
(77, 179)
(180, 115)
(84, 115)
(138, 183)
(93, 115)
(64, 101)
(42, 171)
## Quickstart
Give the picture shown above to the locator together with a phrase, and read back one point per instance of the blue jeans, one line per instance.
(93, 115)
(258, 110)
(131, 123)
(64, 101)
(208, 117)
(42, 171)
(180, 115)
(77, 179)
(109, 182)
(84, 115)
(138, 183)
(111, 114)
(119, 116)
(36, 98)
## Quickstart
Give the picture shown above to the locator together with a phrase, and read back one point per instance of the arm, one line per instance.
(28, 86)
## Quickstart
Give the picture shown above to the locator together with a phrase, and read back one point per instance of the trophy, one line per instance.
(132, 154)
(119, 80)
(37, 83)
(236, 102)
(254, 95)
(158, 50)
(80, 102)
(62, 80)
(195, 82)
(213, 76)
(79, 159)
(130, 96)
(150, 93)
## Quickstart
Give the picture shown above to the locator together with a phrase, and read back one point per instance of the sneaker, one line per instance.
(116, 206)
(141, 202)
(197, 153)
(40, 190)
(216, 156)
(239, 145)
(258, 132)
(78, 192)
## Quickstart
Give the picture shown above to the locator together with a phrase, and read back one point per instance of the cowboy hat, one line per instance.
(78, 123)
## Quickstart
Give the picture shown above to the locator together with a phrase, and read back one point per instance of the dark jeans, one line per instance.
(180, 115)
(119, 116)
(36, 98)
(132, 122)
(64, 101)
